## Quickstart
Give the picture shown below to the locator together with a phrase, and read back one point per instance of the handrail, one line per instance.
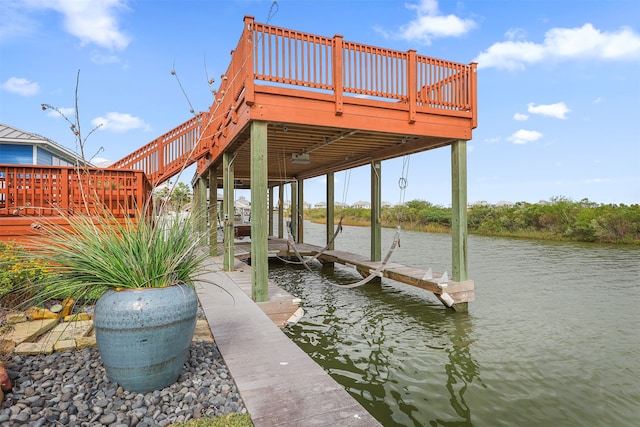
(161, 157)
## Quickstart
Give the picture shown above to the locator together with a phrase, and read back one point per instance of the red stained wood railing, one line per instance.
(50, 191)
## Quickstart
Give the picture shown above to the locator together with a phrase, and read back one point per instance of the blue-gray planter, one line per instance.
(143, 335)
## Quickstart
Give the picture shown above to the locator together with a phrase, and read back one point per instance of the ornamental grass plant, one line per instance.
(90, 254)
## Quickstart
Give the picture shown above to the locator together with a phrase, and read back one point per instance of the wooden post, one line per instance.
(227, 207)
(331, 209)
(300, 232)
(259, 249)
(195, 208)
(202, 207)
(376, 205)
(248, 79)
(294, 210)
(270, 214)
(412, 87)
(213, 211)
(281, 211)
(459, 215)
(337, 74)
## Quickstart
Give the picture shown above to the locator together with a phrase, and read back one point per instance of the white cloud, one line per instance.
(430, 23)
(558, 110)
(100, 59)
(119, 122)
(492, 140)
(68, 112)
(21, 86)
(520, 117)
(598, 100)
(14, 22)
(524, 136)
(585, 42)
(597, 180)
(92, 21)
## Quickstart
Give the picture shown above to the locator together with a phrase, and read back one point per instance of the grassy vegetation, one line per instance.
(559, 220)
(231, 420)
(21, 276)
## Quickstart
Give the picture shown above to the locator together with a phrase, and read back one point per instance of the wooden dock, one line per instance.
(278, 382)
(460, 292)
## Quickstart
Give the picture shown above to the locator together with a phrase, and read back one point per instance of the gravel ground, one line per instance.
(71, 389)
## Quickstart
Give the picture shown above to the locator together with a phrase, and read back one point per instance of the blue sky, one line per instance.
(559, 82)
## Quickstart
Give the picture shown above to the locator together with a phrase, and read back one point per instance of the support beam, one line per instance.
(195, 200)
(376, 206)
(259, 211)
(300, 232)
(270, 215)
(459, 215)
(213, 211)
(202, 207)
(331, 208)
(227, 207)
(294, 210)
(281, 211)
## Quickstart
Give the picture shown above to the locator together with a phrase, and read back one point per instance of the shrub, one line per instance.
(20, 275)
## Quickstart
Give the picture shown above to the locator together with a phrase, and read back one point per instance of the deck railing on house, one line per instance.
(51, 191)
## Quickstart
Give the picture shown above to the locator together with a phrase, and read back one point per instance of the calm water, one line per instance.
(553, 338)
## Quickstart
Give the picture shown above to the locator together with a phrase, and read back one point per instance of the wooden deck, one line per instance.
(279, 383)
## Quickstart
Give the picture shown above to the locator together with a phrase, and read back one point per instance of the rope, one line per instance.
(403, 181)
(371, 276)
(376, 272)
(322, 251)
(345, 187)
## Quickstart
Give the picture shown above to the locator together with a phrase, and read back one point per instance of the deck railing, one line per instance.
(334, 65)
(164, 156)
(53, 191)
(278, 56)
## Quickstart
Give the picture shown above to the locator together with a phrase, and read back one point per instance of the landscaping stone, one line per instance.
(28, 331)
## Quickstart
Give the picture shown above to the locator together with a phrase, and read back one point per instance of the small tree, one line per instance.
(175, 198)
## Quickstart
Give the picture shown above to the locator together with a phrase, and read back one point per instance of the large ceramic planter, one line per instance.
(143, 335)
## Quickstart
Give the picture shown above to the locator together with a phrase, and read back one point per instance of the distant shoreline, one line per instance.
(561, 221)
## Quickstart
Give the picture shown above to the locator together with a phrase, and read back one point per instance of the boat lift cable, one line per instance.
(372, 274)
(322, 251)
(403, 180)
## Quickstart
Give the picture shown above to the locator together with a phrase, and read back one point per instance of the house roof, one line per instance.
(12, 135)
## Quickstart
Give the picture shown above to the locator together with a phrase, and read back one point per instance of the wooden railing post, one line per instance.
(412, 95)
(473, 93)
(337, 74)
(249, 65)
(65, 185)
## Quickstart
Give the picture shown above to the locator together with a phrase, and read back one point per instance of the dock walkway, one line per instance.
(278, 382)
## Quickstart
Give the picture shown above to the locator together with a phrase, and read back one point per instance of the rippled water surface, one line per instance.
(553, 338)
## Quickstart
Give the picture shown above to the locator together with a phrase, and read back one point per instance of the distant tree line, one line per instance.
(560, 219)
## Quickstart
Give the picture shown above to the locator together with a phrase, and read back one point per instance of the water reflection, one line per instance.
(392, 347)
(552, 338)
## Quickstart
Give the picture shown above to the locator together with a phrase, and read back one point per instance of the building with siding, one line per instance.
(19, 147)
